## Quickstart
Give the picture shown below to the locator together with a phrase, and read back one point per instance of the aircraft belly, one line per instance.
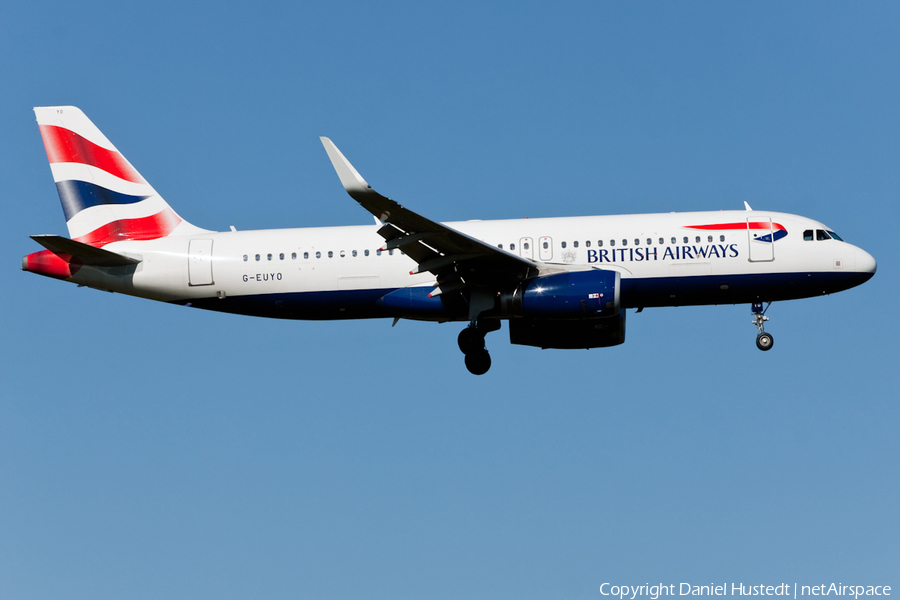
(734, 289)
(319, 305)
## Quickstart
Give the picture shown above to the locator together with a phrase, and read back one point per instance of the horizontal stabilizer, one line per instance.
(88, 255)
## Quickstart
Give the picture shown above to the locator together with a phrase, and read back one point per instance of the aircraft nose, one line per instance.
(865, 263)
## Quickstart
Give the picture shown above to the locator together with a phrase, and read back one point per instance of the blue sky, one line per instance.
(149, 450)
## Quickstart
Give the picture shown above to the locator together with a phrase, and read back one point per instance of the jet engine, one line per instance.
(578, 309)
(569, 295)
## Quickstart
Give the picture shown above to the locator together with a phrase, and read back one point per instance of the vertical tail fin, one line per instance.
(103, 197)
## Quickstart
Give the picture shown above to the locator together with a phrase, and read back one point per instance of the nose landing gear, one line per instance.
(764, 341)
(471, 343)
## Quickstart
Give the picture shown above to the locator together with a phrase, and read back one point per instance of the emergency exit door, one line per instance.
(526, 248)
(545, 247)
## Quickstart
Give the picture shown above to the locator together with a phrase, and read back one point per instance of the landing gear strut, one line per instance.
(471, 343)
(764, 341)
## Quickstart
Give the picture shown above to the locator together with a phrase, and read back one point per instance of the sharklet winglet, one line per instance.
(349, 176)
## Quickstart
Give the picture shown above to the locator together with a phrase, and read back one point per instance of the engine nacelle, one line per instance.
(568, 333)
(569, 295)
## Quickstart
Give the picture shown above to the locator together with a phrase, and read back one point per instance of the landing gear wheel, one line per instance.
(478, 362)
(764, 341)
(470, 340)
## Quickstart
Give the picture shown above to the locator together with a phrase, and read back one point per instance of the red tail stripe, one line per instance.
(742, 225)
(145, 228)
(47, 263)
(64, 146)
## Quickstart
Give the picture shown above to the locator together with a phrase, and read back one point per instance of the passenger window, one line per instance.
(354, 253)
(378, 252)
(612, 242)
(330, 254)
(624, 242)
(246, 257)
(281, 256)
(391, 251)
(649, 241)
(526, 246)
(721, 238)
(268, 256)
(821, 235)
(697, 239)
(599, 243)
(685, 239)
(662, 241)
(574, 244)
(512, 246)
(366, 252)
(306, 256)
(709, 239)
(500, 246)
(318, 254)
(587, 244)
(563, 244)
(546, 245)
(637, 242)
(673, 240)
(257, 257)
(343, 254)
(293, 256)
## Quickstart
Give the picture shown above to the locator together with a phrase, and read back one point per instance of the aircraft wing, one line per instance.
(458, 260)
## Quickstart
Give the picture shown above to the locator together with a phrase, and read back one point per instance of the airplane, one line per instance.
(563, 282)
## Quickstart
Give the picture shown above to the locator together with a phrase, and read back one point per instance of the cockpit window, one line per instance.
(821, 235)
(808, 235)
(835, 236)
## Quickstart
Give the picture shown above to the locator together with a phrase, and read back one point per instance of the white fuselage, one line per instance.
(338, 272)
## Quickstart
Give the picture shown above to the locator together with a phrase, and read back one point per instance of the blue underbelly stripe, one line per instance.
(648, 292)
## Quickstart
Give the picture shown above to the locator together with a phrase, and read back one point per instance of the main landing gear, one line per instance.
(764, 341)
(471, 342)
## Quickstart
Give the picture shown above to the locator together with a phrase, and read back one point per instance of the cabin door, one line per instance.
(200, 262)
(761, 239)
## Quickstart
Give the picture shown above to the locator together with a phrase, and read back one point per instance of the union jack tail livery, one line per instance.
(103, 197)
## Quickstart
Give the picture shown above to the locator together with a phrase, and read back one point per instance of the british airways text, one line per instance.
(614, 255)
